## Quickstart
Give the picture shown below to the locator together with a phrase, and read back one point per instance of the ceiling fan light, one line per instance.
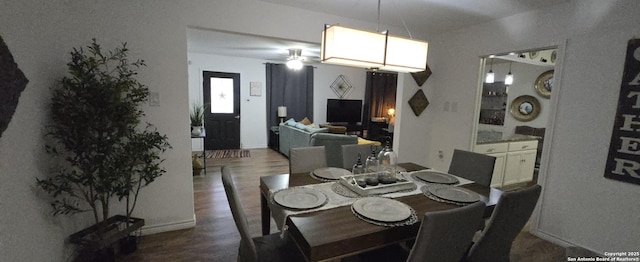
(294, 64)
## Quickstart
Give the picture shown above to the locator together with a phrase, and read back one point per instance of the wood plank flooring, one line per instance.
(215, 236)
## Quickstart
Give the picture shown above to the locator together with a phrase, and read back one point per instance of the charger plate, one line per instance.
(331, 173)
(382, 209)
(300, 198)
(436, 177)
(456, 194)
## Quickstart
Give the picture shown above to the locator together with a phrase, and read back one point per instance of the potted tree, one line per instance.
(197, 119)
(101, 149)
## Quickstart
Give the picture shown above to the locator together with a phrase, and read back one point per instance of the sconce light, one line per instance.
(490, 78)
(508, 80)
(282, 113)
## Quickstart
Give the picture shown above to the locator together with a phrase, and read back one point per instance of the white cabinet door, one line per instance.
(519, 167)
(528, 165)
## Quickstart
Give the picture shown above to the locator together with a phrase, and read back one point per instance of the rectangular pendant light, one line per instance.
(352, 47)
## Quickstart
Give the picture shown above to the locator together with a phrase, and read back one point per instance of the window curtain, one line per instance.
(290, 88)
(380, 95)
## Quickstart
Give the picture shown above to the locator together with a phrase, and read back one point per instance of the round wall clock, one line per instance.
(525, 108)
(544, 83)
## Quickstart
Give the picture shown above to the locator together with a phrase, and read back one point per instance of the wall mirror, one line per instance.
(523, 100)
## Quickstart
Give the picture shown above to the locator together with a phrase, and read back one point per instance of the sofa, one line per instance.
(294, 134)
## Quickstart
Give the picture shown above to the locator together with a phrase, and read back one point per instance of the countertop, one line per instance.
(498, 137)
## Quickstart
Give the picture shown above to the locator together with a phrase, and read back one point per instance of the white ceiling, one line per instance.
(422, 17)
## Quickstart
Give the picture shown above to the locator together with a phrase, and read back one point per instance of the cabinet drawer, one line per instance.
(523, 145)
(491, 148)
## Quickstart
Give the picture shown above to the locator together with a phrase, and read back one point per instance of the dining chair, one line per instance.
(473, 166)
(350, 154)
(444, 236)
(509, 217)
(306, 159)
(264, 248)
(332, 145)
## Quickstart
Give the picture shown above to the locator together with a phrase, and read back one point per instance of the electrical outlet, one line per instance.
(154, 98)
(440, 154)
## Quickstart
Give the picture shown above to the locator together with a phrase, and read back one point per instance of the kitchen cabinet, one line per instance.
(520, 163)
(515, 161)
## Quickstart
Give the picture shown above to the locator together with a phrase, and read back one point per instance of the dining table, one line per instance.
(336, 232)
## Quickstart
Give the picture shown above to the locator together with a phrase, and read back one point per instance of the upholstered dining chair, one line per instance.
(306, 159)
(263, 248)
(473, 166)
(444, 236)
(350, 154)
(509, 217)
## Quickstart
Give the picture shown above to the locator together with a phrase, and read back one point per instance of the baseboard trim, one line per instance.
(154, 229)
(552, 238)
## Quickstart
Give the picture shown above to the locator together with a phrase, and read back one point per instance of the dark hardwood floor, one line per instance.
(215, 236)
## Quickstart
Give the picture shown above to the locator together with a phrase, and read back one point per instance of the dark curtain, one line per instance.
(380, 95)
(290, 88)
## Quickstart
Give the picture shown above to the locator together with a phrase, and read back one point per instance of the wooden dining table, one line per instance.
(337, 232)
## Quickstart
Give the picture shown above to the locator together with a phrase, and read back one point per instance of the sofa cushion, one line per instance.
(305, 121)
(290, 122)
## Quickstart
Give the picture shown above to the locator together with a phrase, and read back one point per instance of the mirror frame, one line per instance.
(514, 108)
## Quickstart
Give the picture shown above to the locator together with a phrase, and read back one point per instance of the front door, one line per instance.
(221, 93)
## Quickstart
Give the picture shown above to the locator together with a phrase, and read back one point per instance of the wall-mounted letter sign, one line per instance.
(623, 162)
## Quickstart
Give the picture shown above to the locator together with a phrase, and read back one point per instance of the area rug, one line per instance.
(229, 153)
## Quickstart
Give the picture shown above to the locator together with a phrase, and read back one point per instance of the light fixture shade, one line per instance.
(490, 78)
(282, 111)
(405, 55)
(352, 47)
(508, 80)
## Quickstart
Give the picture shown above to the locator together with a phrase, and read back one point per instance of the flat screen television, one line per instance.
(344, 111)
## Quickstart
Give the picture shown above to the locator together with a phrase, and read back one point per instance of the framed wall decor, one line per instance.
(544, 83)
(418, 102)
(421, 76)
(255, 89)
(341, 86)
(525, 108)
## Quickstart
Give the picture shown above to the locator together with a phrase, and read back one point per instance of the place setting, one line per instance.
(450, 194)
(384, 211)
(329, 173)
(434, 177)
(300, 198)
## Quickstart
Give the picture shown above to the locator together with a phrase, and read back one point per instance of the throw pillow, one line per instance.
(305, 121)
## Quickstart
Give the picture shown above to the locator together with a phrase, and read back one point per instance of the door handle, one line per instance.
(237, 117)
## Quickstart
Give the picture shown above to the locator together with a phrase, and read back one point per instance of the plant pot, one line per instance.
(196, 130)
(113, 229)
(106, 254)
(128, 245)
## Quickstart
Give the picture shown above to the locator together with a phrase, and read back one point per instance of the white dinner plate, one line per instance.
(435, 177)
(452, 193)
(332, 173)
(300, 198)
(382, 209)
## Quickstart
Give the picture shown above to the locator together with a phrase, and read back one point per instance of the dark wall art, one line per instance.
(623, 162)
(12, 83)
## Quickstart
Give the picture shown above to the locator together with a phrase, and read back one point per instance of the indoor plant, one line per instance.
(197, 119)
(100, 148)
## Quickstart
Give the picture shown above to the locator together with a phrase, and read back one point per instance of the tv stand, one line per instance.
(352, 128)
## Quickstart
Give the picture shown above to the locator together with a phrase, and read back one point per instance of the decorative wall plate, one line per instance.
(421, 76)
(525, 108)
(341, 86)
(418, 102)
(544, 83)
